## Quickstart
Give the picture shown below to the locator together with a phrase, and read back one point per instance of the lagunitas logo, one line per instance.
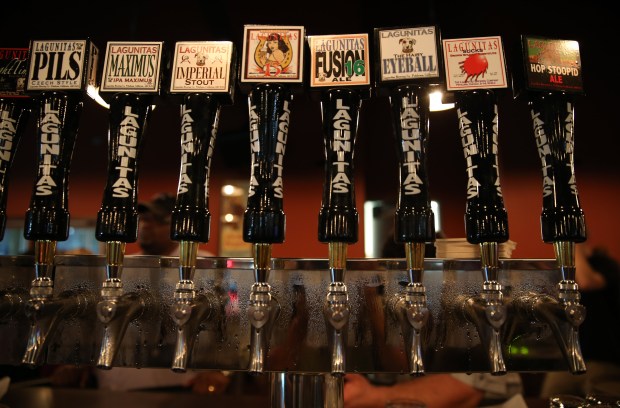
(545, 153)
(131, 66)
(56, 65)
(13, 71)
(412, 147)
(126, 153)
(280, 149)
(339, 60)
(188, 150)
(49, 151)
(342, 146)
(470, 149)
(202, 66)
(272, 53)
(408, 53)
(8, 127)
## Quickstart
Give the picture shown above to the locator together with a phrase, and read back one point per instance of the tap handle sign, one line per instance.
(408, 63)
(14, 113)
(200, 111)
(59, 73)
(342, 90)
(272, 62)
(553, 79)
(475, 67)
(131, 95)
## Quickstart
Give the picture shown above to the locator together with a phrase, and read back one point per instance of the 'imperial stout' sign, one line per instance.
(62, 65)
(474, 63)
(272, 54)
(339, 60)
(132, 67)
(201, 66)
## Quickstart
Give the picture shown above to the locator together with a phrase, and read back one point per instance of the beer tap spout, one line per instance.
(116, 310)
(336, 311)
(488, 313)
(412, 312)
(563, 315)
(45, 313)
(189, 311)
(263, 310)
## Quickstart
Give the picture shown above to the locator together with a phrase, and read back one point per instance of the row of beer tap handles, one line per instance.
(486, 221)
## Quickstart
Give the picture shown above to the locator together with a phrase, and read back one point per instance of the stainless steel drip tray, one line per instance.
(298, 335)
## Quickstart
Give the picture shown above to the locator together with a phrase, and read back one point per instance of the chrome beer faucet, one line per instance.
(190, 225)
(563, 314)
(487, 310)
(117, 309)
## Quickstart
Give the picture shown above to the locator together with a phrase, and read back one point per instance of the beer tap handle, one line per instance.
(414, 219)
(191, 219)
(131, 92)
(264, 219)
(552, 110)
(117, 219)
(47, 217)
(14, 115)
(562, 218)
(486, 219)
(59, 104)
(338, 217)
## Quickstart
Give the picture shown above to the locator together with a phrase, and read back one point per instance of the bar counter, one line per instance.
(54, 397)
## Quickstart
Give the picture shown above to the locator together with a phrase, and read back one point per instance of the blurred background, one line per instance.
(376, 182)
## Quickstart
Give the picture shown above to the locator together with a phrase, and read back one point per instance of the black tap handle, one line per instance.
(486, 219)
(47, 218)
(14, 115)
(264, 219)
(338, 218)
(191, 219)
(562, 218)
(414, 220)
(117, 219)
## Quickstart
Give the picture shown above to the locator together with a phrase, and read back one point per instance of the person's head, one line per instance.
(154, 225)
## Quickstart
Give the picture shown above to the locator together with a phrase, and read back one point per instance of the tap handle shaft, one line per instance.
(264, 219)
(47, 217)
(117, 219)
(14, 115)
(414, 219)
(191, 219)
(486, 219)
(562, 218)
(338, 217)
